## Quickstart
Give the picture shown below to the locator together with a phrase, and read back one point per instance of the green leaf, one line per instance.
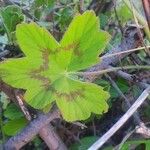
(123, 86)
(48, 3)
(136, 144)
(14, 126)
(124, 13)
(64, 17)
(11, 16)
(47, 73)
(84, 144)
(12, 112)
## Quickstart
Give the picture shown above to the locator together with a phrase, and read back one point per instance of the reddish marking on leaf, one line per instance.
(74, 46)
(36, 72)
(72, 95)
(77, 51)
(45, 81)
(44, 66)
(70, 46)
(45, 56)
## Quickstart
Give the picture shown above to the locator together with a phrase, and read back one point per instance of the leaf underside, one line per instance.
(45, 70)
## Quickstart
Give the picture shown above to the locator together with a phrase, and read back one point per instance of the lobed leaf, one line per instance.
(45, 71)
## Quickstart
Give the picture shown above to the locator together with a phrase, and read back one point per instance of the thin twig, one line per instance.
(142, 129)
(136, 115)
(96, 73)
(131, 78)
(24, 109)
(81, 6)
(123, 52)
(98, 144)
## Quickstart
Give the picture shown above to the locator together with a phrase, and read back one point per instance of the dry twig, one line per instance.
(98, 144)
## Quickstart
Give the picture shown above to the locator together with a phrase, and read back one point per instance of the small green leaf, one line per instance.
(123, 86)
(11, 16)
(133, 143)
(14, 126)
(12, 112)
(124, 13)
(84, 144)
(47, 73)
(48, 3)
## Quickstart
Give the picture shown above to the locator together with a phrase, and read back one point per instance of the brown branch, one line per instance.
(31, 130)
(50, 137)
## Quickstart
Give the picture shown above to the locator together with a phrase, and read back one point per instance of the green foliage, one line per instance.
(123, 86)
(11, 16)
(14, 126)
(104, 20)
(15, 120)
(64, 17)
(44, 3)
(124, 13)
(134, 144)
(84, 144)
(40, 6)
(13, 112)
(48, 72)
(121, 83)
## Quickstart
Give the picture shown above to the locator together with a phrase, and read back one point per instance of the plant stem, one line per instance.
(109, 70)
(124, 52)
